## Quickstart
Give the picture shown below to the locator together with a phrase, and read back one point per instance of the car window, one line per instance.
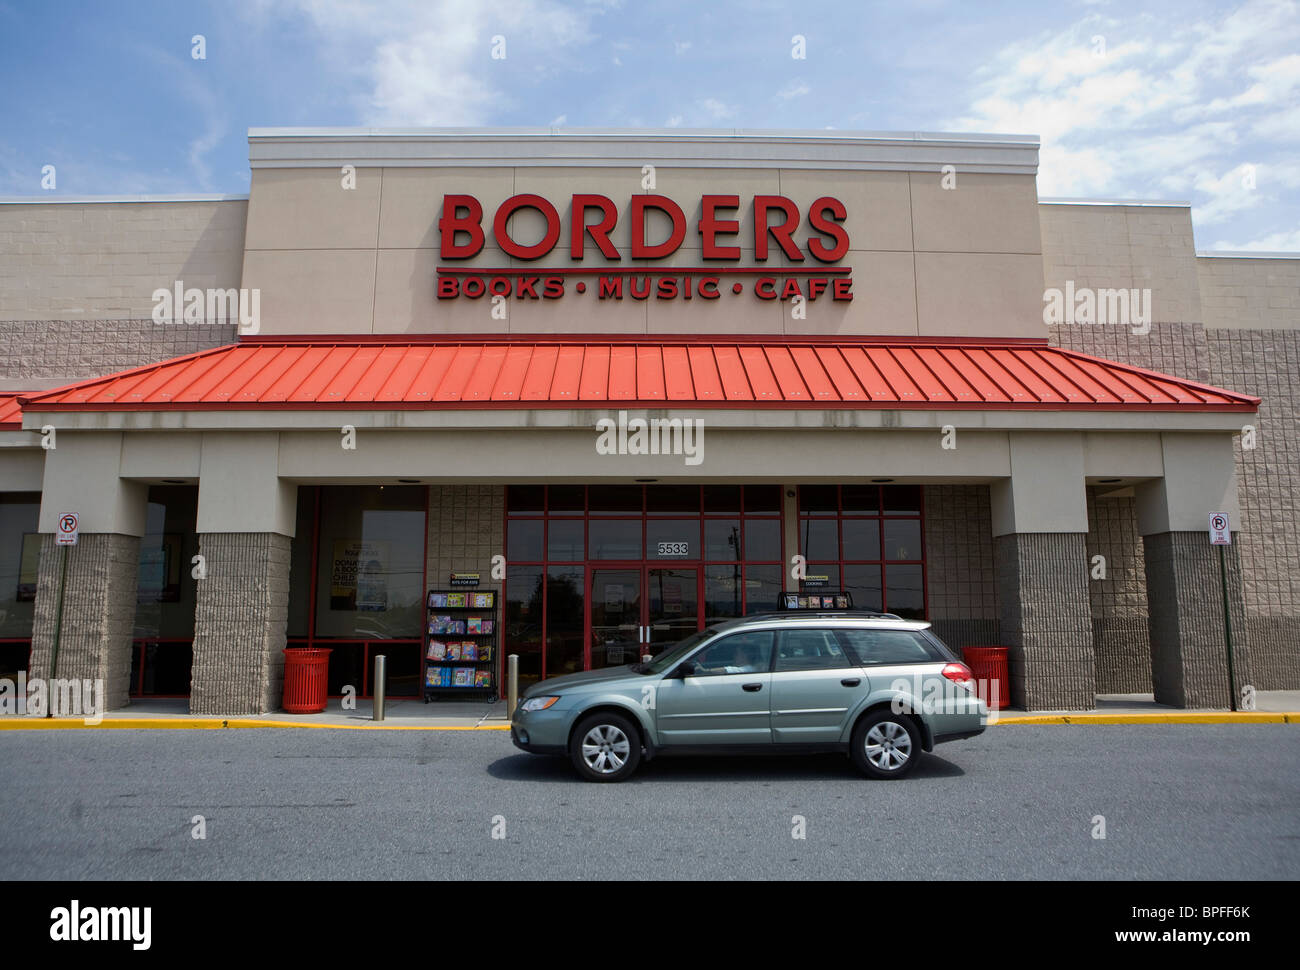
(810, 650)
(741, 653)
(889, 646)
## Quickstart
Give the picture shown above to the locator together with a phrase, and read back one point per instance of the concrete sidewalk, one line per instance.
(413, 714)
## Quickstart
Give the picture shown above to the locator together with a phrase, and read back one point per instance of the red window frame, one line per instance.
(700, 562)
(881, 516)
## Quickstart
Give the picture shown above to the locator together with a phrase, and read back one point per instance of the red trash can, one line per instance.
(306, 679)
(989, 665)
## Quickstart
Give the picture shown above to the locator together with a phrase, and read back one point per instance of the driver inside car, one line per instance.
(748, 659)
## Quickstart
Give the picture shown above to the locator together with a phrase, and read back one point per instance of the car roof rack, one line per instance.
(796, 614)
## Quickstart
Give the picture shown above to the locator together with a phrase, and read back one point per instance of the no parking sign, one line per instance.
(1220, 535)
(67, 534)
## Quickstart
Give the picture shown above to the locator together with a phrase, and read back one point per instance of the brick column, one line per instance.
(1046, 620)
(98, 612)
(1189, 665)
(1040, 555)
(246, 518)
(1189, 662)
(82, 474)
(240, 618)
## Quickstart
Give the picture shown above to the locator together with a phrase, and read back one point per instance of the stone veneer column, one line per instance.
(82, 474)
(1046, 620)
(240, 618)
(466, 528)
(1040, 525)
(246, 520)
(1189, 661)
(98, 612)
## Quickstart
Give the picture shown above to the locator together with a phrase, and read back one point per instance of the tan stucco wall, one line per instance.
(1250, 294)
(103, 260)
(1124, 247)
(926, 261)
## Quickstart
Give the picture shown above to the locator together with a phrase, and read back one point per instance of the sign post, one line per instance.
(1221, 535)
(69, 523)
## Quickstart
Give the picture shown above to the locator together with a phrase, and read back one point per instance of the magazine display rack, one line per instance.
(460, 644)
(816, 599)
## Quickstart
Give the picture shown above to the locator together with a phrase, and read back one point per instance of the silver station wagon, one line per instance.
(876, 687)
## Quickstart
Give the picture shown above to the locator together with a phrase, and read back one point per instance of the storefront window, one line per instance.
(867, 540)
(370, 562)
(564, 540)
(565, 603)
(300, 553)
(20, 556)
(165, 588)
(615, 538)
(616, 563)
(523, 619)
(162, 652)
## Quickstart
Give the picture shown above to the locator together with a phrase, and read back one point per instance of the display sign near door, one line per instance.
(359, 575)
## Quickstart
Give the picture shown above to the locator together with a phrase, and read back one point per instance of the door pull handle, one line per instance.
(851, 681)
(751, 687)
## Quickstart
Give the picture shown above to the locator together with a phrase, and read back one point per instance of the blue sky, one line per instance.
(1174, 100)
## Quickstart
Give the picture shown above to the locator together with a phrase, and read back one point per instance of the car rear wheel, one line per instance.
(605, 747)
(885, 745)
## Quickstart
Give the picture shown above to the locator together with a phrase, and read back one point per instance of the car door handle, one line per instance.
(851, 681)
(751, 687)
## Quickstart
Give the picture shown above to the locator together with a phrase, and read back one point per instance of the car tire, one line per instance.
(605, 747)
(886, 745)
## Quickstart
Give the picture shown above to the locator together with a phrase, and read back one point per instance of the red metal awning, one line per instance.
(11, 414)
(538, 371)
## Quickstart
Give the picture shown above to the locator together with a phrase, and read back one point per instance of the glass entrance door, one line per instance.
(639, 610)
(672, 605)
(616, 616)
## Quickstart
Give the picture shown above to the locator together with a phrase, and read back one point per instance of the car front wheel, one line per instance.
(605, 747)
(886, 745)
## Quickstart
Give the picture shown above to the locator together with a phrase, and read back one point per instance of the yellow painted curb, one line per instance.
(199, 724)
(1184, 717)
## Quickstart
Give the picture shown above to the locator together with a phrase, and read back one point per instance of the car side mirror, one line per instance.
(686, 669)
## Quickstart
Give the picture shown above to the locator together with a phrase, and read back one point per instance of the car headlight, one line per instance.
(540, 703)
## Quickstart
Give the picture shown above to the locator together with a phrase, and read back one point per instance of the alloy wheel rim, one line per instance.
(888, 745)
(605, 749)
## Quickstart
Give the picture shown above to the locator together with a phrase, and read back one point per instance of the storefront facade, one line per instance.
(638, 382)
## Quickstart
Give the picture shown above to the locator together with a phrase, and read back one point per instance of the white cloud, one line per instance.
(1233, 192)
(560, 121)
(675, 121)
(715, 108)
(207, 111)
(795, 89)
(1165, 110)
(1275, 242)
(680, 47)
(431, 63)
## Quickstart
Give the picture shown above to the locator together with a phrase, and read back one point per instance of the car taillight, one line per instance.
(959, 674)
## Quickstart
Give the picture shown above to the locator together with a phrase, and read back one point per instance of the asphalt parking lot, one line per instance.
(1018, 802)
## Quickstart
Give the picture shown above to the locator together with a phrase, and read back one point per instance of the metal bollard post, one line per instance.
(380, 686)
(512, 684)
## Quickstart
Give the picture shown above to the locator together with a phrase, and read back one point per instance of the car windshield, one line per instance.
(674, 653)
